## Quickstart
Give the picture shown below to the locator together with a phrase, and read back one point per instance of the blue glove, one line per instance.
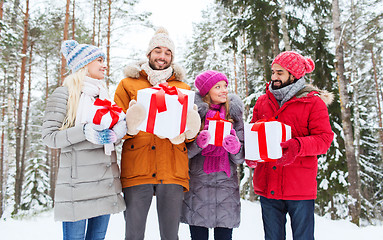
(102, 137)
(120, 129)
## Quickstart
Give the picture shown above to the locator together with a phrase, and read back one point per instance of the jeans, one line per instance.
(95, 230)
(274, 218)
(202, 233)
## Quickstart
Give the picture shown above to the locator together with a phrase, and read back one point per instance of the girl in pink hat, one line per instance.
(213, 200)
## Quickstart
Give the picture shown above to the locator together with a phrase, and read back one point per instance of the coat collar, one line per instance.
(134, 70)
(308, 91)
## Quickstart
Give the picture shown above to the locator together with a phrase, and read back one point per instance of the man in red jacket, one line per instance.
(289, 184)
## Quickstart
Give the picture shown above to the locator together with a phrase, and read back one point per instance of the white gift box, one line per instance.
(104, 114)
(218, 130)
(167, 121)
(262, 142)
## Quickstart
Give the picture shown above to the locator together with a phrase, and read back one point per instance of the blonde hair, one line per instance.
(207, 99)
(74, 82)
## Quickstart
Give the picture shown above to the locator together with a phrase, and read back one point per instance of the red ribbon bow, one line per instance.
(259, 126)
(157, 103)
(113, 109)
(219, 128)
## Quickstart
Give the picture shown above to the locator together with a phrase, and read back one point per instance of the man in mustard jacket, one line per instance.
(151, 165)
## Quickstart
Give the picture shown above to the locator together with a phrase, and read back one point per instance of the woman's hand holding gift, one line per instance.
(99, 137)
(120, 129)
(231, 143)
(203, 138)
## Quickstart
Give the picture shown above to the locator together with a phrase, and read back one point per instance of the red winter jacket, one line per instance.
(307, 115)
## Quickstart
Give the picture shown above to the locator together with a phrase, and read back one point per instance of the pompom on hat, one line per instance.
(161, 39)
(294, 63)
(206, 80)
(79, 55)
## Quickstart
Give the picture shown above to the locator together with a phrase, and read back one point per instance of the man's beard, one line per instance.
(153, 65)
(280, 86)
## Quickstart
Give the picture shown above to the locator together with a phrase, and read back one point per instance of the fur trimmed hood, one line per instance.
(235, 106)
(133, 70)
(325, 95)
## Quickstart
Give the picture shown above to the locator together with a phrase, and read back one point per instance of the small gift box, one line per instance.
(104, 114)
(218, 128)
(263, 139)
(166, 109)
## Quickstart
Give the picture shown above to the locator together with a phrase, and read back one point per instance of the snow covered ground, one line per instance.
(43, 227)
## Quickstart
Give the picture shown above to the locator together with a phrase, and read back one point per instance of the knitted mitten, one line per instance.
(193, 123)
(203, 139)
(252, 164)
(120, 129)
(290, 151)
(231, 143)
(135, 115)
(102, 137)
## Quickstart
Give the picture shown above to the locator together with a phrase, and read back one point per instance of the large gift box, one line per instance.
(218, 128)
(104, 114)
(263, 139)
(166, 109)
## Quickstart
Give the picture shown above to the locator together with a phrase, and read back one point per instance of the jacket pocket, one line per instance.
(135, 157)
(181, 161)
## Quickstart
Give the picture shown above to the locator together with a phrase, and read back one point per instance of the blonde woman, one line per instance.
(88, 187)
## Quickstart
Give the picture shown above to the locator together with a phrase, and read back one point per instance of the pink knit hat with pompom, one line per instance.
(294, 63)
(206, 80)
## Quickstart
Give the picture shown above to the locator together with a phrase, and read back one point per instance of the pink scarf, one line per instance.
(216, 158)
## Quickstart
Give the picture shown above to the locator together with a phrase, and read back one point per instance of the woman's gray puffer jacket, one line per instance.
(213, 199)
(88, 181)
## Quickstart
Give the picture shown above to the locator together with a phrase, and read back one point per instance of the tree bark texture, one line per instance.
(286, 39)
(379, 113)
(19, 117)
(65, 37)
(108, 43)
(352, 165)
(73, 20)
(1, 10)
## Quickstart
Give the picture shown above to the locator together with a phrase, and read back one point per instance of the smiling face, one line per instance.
(160, 58)
(218, 93)
(280, 77)
(96, 68)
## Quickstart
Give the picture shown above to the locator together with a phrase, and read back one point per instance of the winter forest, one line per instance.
(237, 37)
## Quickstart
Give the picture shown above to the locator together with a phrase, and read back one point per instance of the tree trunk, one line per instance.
(2, 152)
(247, 108)
(286, 39)
(380, 131)
(108, 43)
(25, 142)
(65, 37)
(19, 162)
(1, 11)
(235, 72)
(99, 24)
(355, 84)
(73, 20)
(352, 165)
(94, 22)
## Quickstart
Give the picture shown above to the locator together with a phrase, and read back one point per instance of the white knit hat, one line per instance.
(161, 39)
(79, 55)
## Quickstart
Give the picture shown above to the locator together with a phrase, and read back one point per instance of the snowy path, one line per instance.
(44, 228)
